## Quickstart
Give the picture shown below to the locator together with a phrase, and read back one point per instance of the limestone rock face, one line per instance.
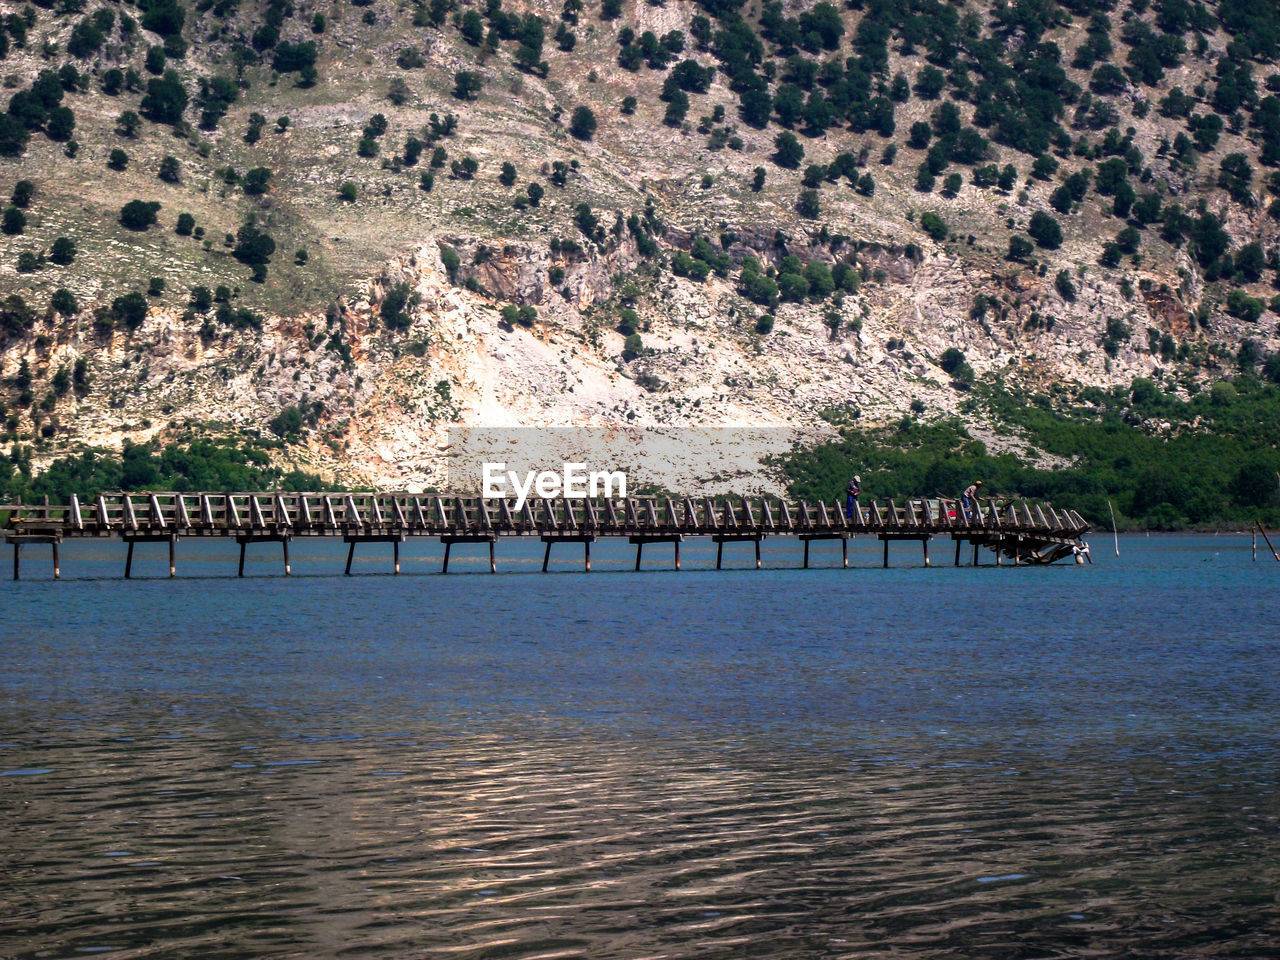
(389, 400)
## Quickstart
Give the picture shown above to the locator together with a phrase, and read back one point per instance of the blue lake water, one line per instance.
(948, 762)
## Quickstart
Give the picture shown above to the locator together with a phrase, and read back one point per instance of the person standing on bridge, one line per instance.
(970, 499)
(852, 491)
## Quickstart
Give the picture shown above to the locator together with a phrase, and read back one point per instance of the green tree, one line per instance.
(63, 251)
(139, 214)
(1044, 230)
(789, 152)
(583, 123)
(934, 226)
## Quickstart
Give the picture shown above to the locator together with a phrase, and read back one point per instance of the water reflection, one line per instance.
(238, 841)
(668, 767)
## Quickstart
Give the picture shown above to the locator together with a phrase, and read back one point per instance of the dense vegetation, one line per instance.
(1165, 464)
(200, 465)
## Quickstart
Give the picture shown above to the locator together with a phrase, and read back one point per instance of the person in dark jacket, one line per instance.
(852, 491)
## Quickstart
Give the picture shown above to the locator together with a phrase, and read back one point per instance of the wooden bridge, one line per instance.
(1022, 531)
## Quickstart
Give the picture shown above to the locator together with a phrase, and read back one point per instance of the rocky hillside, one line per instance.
(346, 228)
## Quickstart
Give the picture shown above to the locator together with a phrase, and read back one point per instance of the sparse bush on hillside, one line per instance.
(583, 123)
(139, 214)
(1044, 230)
(933, 225)
(63, 251)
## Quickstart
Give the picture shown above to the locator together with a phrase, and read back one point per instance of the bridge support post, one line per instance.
(239, 573)
(450, 539)
(173, 559)
(17, 560)
(808, 538)
(720, 550)
(925, 544)
(57, 567)
(128, 561)
(641, 539)
(957, 552)
(885, 563)
(1017, 551)
(283, 539)
(975, 553)
(586, 539)
(351, 539)
(720, 539)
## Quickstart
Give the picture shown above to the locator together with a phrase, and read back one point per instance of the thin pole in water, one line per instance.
(1113, 527)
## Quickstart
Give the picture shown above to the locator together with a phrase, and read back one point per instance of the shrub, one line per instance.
(63, 251)
(1244, 307)
(449, 257)
(632, 347)
(1019, 248)
(165, 100)
(1066, 289)
(254, 247)
(396, 305)
(129, 311)
(118, 159)
(464, 169)
(256, 181)
(1044, 230)
(508, 175)
(13, 222)
(583, 123)
(951, 359)
(201, 299)
(13, 136)
(138, 214)
(155, 287)
(789, 152)
(64, 302)
(466, 84)
(170, 170)
(808, 205)
(764, 325)
(934, 226)
(347, 191)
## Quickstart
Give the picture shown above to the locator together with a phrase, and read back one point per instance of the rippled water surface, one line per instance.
(1062, 762)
